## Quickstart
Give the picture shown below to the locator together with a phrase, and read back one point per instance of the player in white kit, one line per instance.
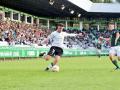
(56, 39)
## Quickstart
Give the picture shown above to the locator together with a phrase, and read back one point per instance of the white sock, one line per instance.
(50, 65)
(44, 55)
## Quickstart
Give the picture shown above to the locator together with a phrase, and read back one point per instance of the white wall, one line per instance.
(89, 6)
(84, 4)
(105, 7)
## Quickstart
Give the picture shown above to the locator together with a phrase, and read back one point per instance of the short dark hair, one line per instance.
(110, 23)
(60, 24)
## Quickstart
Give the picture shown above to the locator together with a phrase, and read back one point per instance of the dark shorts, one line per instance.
(55, 51)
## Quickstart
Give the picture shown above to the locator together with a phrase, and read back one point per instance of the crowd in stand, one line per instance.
(87, 39)
(16, 33)
(21, 33)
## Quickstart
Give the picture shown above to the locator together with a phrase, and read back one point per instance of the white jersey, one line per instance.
(57, 38)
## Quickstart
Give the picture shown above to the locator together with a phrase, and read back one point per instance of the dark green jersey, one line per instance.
(118, 42)
(113, 37)
(98, 46)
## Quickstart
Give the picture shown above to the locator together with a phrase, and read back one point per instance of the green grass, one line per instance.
(76, 73)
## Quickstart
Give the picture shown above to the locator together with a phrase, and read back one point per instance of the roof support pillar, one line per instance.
(48, 24)
(19, 17)
(81, 25)
(66, 25)
(98, 27)
(31, 20)
(37, 21)
(25, 18)
(11, 15)
(115, 25)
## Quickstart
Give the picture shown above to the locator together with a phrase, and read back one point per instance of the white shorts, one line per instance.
(115, 50)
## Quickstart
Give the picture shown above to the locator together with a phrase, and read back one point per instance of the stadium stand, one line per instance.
(15, 33)
(20, 29)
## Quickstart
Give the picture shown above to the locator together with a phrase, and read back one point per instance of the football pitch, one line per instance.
(76, 73)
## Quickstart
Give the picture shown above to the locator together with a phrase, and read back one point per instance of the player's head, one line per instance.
(59, 27)
(111, 26)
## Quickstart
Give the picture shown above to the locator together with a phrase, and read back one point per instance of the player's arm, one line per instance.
(45, 41)
(67, 34)
(117, 37)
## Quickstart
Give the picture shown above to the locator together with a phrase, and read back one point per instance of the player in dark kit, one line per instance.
(115, 45)
(98, 49)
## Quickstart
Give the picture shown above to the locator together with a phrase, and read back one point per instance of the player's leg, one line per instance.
(42, 54)
(48, 57)
(99, 53)
(45, 56)
(112, 54)
(96, 52)
(118, 53)
(58, 52)
(114, 61)
(49, 54)
(118, 58)
(56, 59)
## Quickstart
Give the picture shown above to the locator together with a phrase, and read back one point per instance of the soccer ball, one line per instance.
(55, 68)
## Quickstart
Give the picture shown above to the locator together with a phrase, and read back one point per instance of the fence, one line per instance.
(12, 52)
